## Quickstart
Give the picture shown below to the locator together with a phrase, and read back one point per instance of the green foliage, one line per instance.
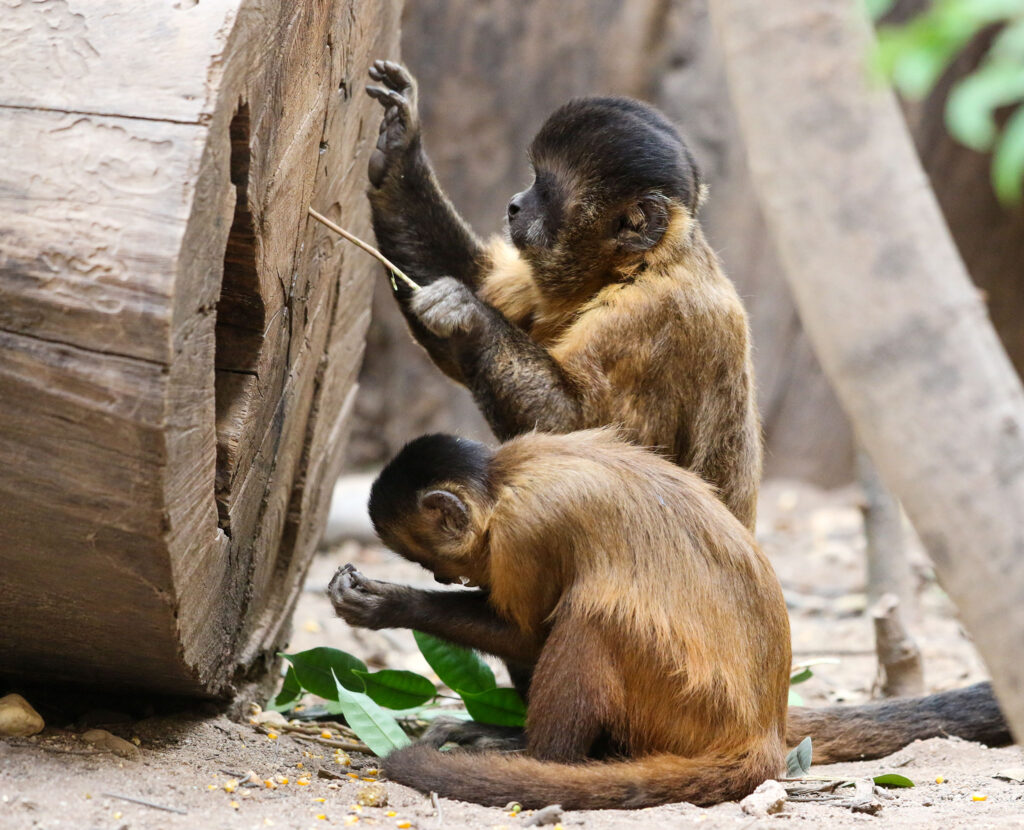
(459, 668)
(915, 54)
(291, 690)
(375, 727)
(798, 762)
(503, 707)
(317, 668)
(397, 689)
(801, 675)
(892, 779)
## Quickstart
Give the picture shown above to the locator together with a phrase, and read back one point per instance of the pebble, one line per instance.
(767, 800)
(105, 740)
(17, 717)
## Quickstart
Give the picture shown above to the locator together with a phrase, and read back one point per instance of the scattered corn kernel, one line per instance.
(939, 779)
(391, 814)
(372, 771)
(322, 817)
(369, 779)
(978, 796)
(281, 780)
(558, 827)
(88, 795)
(351, 775)
(271, 736)
(351, 819)
(326, 733)
(234, 804)
(320, 800)
(269, 784)
(211, 786)
(403, 825)
(230, 786)
(137, 740)
(307, 754)
(117, 815)
(302, 782)
(299, 765)
(268, 823)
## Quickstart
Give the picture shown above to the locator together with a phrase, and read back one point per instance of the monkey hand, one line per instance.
(361, 602)
(447, 306)
(400, 125)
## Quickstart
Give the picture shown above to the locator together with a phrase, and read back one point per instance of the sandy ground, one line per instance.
(816, 542)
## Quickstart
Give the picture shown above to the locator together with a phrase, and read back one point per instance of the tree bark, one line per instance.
(178, 340)
(888, 305)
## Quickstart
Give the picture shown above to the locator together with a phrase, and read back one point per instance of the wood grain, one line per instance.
(178, 341)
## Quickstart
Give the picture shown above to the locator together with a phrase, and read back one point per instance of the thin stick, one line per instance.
(145, 803)
(437, 809)
(355, 240)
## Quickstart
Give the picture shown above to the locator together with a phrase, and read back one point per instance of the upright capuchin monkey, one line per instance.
(656, 628)
(609, 308)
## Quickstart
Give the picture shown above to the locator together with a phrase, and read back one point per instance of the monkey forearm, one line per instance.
(465, 618)
(517, 384)
(418, 229)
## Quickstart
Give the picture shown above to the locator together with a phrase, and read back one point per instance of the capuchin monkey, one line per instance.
(656, 628)
(608, 308)
(653, 625)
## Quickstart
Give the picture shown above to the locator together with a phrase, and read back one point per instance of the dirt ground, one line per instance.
(815, 539)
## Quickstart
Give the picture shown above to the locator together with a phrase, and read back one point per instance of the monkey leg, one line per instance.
(462, 617)
(574, 694)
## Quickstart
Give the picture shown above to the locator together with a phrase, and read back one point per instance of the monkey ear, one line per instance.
(447, 509)
(643, 225)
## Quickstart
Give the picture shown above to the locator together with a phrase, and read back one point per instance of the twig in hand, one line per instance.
(145, 803)
(355, 240)
(437, 809)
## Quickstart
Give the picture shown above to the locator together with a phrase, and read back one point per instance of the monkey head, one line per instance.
(431, 504)
(612, 176)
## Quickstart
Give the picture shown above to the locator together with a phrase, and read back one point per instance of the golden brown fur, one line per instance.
(656, 624)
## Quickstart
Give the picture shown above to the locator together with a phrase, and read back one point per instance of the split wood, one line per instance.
(366, 246)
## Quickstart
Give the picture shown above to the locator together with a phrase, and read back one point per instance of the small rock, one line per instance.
(547, 815)
(766, 800)
(1013, 774)
(17, 717)
(119, 746)
(274, 718)
(373, 795)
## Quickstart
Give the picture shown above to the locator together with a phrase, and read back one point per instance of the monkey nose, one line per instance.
(515, 205)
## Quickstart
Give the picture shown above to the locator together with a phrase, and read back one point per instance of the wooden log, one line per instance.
(178, 340)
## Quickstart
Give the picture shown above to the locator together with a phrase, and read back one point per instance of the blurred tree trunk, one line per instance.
(886, 300)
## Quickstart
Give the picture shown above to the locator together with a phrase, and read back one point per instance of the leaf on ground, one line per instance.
(1012, 774)
(375, 727)
(892, 779)
(798, 762)
(291, 690)
(503, 707)
(316, 668)
(397, 689)
(801, 676)
(459, 668)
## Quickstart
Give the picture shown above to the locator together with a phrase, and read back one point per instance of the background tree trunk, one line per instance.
(178, 340)
(885, 298)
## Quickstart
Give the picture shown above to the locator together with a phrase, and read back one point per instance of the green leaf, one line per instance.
(291, 690)
(316, 668)
(1008, 160)
(459, 668)
(970, 110)
(798, 762)
(795, 698)
(375, 727)
(397, 689)
(503, 707)
(801, 676)
(891, 779)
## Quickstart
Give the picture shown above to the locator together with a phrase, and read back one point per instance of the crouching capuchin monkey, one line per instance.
(656, 628)
(609, 308)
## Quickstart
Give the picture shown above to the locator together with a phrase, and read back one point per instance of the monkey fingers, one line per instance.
(447, 306)
(360, 601)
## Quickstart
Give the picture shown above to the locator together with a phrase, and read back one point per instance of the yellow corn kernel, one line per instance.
(978, 796)
(211, 786)
(299, 765)
(322, 817)
(403, 825)
(269, 784)
(351, 819)
(281, 780)
(939, 779)
(234, 804)
(271, 736)
(351, 775)
(230, 786)
(118, 815)
(302, 782)
(391, 814)
(326, 733)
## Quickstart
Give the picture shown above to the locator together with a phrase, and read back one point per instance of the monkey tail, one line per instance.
(494, 779)
(854, 733)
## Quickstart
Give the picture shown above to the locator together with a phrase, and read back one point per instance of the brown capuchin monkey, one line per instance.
(609, 308)
(656, 628)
